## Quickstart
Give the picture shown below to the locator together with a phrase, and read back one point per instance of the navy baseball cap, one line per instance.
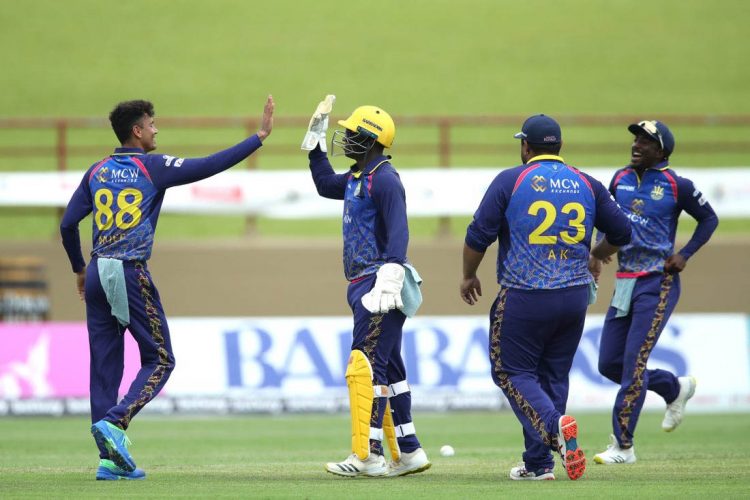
(657, 131)
(540, 129)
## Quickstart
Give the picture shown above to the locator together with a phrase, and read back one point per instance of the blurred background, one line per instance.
(248, 263)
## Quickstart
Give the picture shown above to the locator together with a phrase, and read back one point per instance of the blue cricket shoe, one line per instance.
(109, 471)
(116, 442)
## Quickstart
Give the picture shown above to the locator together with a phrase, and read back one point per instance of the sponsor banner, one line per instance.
(271, 365)
(43, 360)
(291, 194)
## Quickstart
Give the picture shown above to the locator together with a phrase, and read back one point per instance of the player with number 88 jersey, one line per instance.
(125, 191)
(124, 207)
(543, 213)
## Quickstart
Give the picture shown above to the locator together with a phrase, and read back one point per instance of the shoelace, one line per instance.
(125, 440)
(522, 469)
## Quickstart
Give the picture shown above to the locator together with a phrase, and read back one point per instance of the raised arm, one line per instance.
(328, 183)
(168, 171)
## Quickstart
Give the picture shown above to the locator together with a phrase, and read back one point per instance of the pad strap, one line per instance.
(376, 434)
(381, 391)
(398, 388)
(406, 429)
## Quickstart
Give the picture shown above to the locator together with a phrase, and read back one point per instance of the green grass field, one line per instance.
(423, 57)
(419, 57)
(283, 457)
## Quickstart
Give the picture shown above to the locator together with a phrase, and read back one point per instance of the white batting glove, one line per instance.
(386, 294)
(316, 129)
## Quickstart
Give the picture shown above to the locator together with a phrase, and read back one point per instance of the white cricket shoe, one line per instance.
(409, 463)
(374, 466)
(521, 474)
(615, 455)
(676, 409)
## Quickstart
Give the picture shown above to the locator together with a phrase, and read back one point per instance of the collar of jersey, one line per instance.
(129, 151)
(376, 162)
(659, 167)
(545, 158)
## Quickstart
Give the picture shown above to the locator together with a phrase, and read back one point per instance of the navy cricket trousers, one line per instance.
(379, 337)
(534, 335)
(148, 326)
(626, 345)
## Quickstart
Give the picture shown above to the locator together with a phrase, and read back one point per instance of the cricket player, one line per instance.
(648, 283)
(383, 288)
(125, 191)
(543, 213)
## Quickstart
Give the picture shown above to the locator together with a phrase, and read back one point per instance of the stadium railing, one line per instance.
(48, 143)
(445, 145)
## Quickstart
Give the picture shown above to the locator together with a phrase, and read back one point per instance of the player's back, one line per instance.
(125, 206)
(550, 217)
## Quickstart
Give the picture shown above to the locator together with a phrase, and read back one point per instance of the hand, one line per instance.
(471, 290)
(386, 294)
(316, 129)
(675, 263)
(81, 284)
(595, 268)
(266, 124)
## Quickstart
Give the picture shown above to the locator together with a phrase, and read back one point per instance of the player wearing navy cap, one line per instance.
(383, 288)
(125, 191)
(543, 214)
(648, 283)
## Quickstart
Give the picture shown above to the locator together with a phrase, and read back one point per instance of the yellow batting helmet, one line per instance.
(372, 121)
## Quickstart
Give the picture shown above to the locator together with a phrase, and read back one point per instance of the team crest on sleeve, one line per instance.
(657, 193)
(172, 161)
(699, 195)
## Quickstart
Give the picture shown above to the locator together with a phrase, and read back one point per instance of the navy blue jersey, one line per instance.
(125, 192)
(543, 214)
(653, 203)
(375, 226)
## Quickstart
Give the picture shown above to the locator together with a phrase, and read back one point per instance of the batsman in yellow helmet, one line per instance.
(384, 288)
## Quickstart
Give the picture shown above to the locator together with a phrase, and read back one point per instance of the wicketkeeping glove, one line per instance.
(386, 294)
(316, 130)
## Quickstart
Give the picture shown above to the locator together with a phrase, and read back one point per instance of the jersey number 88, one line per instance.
(104, 215)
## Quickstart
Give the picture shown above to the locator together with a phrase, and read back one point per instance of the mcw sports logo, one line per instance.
(538, 183)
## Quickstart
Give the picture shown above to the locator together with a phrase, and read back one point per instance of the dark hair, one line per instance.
(552, 149)
(126, 114)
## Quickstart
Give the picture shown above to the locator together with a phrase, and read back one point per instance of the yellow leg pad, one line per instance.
(359, 382)
(390, 434)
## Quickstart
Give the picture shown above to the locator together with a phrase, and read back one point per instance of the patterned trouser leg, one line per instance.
(400, 402)
(533, 339)
(148, 325)
(653, 301)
